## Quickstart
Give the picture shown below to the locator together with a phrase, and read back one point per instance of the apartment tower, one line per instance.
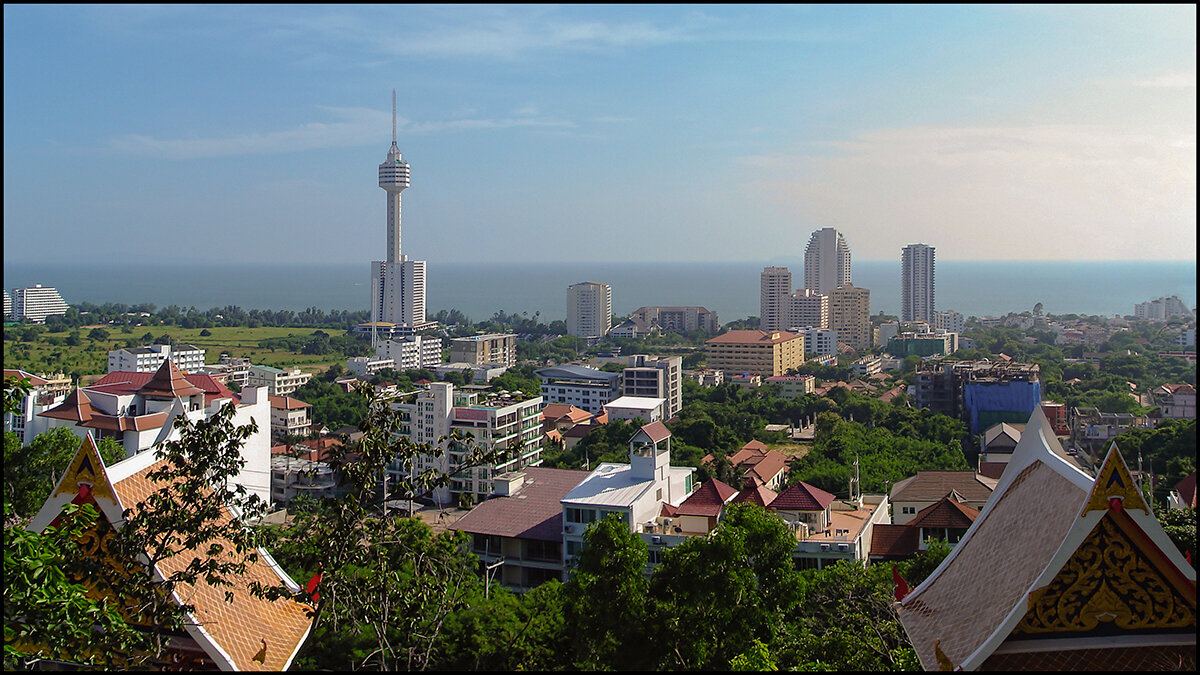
(397, 283)
(589, 309)
(775, 285)
(916, 283)
(850, 316)
(826, 261)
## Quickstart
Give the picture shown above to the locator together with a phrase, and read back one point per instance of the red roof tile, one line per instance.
(945, 512)
(707, 500)
(169, 380)
(657, 431)
(1187, 489)
(75, 407)
(755, 494)
(802, 497)
(894, 541)
(287, 403)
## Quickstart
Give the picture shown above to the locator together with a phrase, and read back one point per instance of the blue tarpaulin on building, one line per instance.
(987, 403)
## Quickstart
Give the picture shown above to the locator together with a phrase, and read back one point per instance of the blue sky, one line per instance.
(586, 133)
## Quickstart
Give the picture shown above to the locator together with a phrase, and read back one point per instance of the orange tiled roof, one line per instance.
(287, 403)
(657, 431)
(752, 337)
(945, 513)
(755, 493)
(237, 627)
(707, 500)
(76, 407)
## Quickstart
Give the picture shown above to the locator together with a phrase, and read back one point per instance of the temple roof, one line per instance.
(230, 633)
(76, 407)
(1042, 512)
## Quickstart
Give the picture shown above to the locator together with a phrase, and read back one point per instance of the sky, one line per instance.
(599, 133)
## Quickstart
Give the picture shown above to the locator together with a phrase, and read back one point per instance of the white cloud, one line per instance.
(357, 127)
(1170, 81)
(998, 192)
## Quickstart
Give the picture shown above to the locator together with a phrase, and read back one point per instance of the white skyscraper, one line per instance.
(826, 261)
(37, 302)
(589, 309)
(397, 283)
(775, 286)
(916, 283)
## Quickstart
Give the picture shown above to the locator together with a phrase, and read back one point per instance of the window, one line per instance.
(908, 509)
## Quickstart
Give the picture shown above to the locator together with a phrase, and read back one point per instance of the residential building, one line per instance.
(410, 352)
(634, 493)
(138, 410)
(397, 282)
(631, 408)
(947, 519)
(278, 382)
(708, 377)
(589, 309)
(1175, 400)
(761, 465)
(997, 443)
(506, 422)
(149, 358)
(496, 348)
(582, 387)
(775, 287)
(917, 283)
(747, 381)
(850, 316)
(1047, 529)
(818, 341)
(793, 386)
(632, 328)
(289, 416)
(519, 529)
(807, 308)
(46, 391)
(701, 511)
(1161, 309)
(37, 302)
(227, 625)
(826, 261)
(1056, 415)
(755, 352)
(911, 495)
(980, 393)
(292, 477)
(949, 321)
(675, 319)
(885, 331)
(229, 369)
(365, 367)
(1183, 496)
(866, 366)
(655, 377)
(8, 306)
(1187, 337)
(479, 374)
(921, 344)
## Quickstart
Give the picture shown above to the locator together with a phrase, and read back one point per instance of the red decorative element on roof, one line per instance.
(1114, 503)
(901, 584)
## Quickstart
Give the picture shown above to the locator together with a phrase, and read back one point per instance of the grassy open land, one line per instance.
(791, 450)
(53, 352)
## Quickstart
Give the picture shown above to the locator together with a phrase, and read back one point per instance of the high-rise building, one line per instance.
(36, 303)
(589, 309)
(850, 316)
(775, 286)
(807, 308)
(397, 283)
(826, 261)
(916, 283)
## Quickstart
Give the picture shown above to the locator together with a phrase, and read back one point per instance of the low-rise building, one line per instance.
(865, 366)
(289, 416)
(149, 358)
(496, 348)
(1175, 400)
(46, 391)
(582, 387)
(677, 319)
(519, 529)
(278, 382)
(947, 519)
(756, 352)
(914, 493)
(410, 352)
(707, 377)
(793, 386)
(365, 367)
(631, 408)
(818, 340)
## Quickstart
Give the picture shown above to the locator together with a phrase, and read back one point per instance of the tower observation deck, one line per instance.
(393, 177)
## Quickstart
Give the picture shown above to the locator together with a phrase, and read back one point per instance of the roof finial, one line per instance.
(393, 117)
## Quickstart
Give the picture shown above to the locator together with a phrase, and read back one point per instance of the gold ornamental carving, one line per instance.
(1108, 583)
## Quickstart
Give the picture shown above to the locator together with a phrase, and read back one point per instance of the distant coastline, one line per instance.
(979, 288)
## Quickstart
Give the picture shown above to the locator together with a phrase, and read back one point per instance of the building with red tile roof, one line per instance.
(1184, 494)
(757, 352)
(699, 513)
(222, 633)
(804, 503)
(137, 410)
(1089, 579)
(911, 495)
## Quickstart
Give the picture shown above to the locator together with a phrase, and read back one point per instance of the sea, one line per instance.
(479, 290)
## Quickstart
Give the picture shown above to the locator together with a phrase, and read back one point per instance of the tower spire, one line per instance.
(393, 117)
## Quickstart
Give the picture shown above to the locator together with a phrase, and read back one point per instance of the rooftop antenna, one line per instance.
(393, 117)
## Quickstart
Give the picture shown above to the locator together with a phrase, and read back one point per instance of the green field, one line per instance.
(90, 357)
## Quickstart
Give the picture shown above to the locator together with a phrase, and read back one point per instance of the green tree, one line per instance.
(605, 598)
